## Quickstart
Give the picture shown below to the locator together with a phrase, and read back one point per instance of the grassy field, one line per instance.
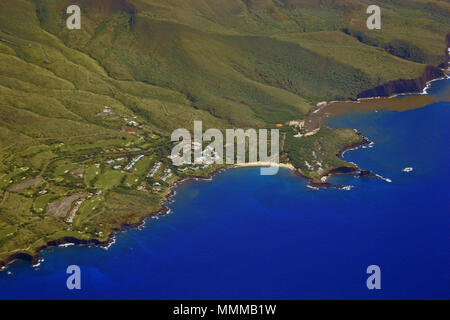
(109, 180)
(76, 107)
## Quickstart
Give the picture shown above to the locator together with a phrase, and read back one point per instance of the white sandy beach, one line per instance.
(265, 164)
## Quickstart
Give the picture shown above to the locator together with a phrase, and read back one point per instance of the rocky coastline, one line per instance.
(403, 86)
(400, 86)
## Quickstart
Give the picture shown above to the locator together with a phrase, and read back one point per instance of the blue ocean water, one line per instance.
(247, 236)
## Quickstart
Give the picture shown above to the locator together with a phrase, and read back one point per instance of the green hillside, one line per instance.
(73, 102)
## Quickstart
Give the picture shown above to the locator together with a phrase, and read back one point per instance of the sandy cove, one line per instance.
(265, 164)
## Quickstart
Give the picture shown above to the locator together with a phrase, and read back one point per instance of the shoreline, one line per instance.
(35, 259)
(404, 86)
(324, 110)
(338, 170)
(264, 164)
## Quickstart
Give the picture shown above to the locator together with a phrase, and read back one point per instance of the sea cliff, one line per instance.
(404, 85)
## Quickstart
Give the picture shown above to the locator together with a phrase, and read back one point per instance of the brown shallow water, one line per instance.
(318, 116)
